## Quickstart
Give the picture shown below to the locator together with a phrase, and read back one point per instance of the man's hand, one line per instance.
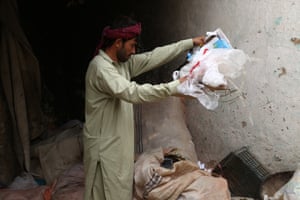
(199, 41)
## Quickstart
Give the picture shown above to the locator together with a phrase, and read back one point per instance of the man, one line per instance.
(110, 93)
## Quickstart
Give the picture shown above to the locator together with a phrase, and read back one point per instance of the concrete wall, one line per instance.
(264, 114)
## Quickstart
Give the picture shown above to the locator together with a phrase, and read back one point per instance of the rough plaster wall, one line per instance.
(264, 114)
(266, 117)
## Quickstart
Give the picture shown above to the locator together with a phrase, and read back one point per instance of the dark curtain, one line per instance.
(20, 88)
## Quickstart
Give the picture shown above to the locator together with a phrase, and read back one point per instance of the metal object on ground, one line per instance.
(243, 173)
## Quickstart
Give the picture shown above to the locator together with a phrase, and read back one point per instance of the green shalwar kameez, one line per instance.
(109, 126)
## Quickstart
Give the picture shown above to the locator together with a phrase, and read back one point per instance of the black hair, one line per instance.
(123, 21)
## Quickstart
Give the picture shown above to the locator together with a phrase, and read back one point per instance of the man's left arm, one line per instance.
(144, 62)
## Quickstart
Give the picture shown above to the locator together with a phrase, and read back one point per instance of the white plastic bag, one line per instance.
(209, 67)
(195, 89)
(23, 182)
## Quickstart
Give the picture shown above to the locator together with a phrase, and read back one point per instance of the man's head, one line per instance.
(121, 37)
(125, 48)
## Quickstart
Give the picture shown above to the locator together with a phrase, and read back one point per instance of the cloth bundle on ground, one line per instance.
(69, 185)
(209, 68)
(182, 181)
(36, 193)
(58, 152)
(57, 161)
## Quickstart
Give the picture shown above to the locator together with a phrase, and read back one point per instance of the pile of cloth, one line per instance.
(69, 185)
(56, 168)
(163, 174)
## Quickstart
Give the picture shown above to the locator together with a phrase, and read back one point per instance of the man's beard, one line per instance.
(122, 56)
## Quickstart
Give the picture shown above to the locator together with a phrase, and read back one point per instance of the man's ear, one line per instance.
(118, 43)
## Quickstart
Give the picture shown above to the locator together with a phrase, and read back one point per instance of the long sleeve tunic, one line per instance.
(109, 122)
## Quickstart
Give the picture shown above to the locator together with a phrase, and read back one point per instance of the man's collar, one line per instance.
(106, 57)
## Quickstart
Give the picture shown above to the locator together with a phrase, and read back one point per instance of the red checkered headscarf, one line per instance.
(126, 33)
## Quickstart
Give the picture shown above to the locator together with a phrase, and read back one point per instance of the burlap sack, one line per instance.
(162, 124)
